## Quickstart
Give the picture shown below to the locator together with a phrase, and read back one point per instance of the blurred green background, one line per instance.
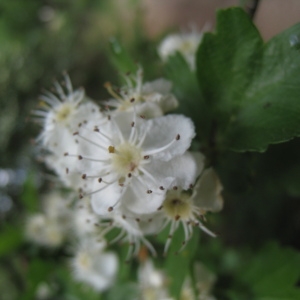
(39, 40)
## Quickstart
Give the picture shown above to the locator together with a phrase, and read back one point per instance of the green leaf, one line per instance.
(11, 238)
(120, 58)
(177, 266)
(38, 271)
(273, 273)
(251, 89)
(29, 196)
(127, 291)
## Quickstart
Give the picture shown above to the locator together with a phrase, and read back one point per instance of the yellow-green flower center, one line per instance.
(125, 158)
(64, 112)
(178, 206)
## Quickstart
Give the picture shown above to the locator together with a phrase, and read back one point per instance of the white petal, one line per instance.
(207, 192)
(161, 85)
(152, 223)
(107, 265)
(164, 130)
(168, 103)
(183, 169)
(102, 200)
(149, 110)
(138, 201)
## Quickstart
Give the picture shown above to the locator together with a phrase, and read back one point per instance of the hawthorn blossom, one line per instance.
(121, 161)
(50, 227)
(185, 43)
(60, 114)
(44, 231)
(205, 281)
(92, 265)
(133, 229)
(153, 283)
(152, 99)
(84, 220)
(182, 207)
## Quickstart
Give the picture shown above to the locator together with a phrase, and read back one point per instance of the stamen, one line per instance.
(96, 129)
(130, 251)
(137, 247)
(118, 237)
(142, 139)
(89, 141)
(206, 230)
(68, 84)
(48, 97)
(59, 90)
(40, 113)
(149, 175)
(118, 131)
(149, 246)
(155, 151)
(109, 88)
(80, 157)
(111, 149)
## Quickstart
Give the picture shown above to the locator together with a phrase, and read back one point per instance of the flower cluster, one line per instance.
(130, 164)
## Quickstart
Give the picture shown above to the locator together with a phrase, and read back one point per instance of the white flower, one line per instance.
(60, 114)
(51, 227)
(187, 291)
(185, 43)
(152, 282)
(122, 163)
(44, 231)
(85, 221)
(204, 280)
(94, 266)
(152, 99)
(57, 206)
(181, 207)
